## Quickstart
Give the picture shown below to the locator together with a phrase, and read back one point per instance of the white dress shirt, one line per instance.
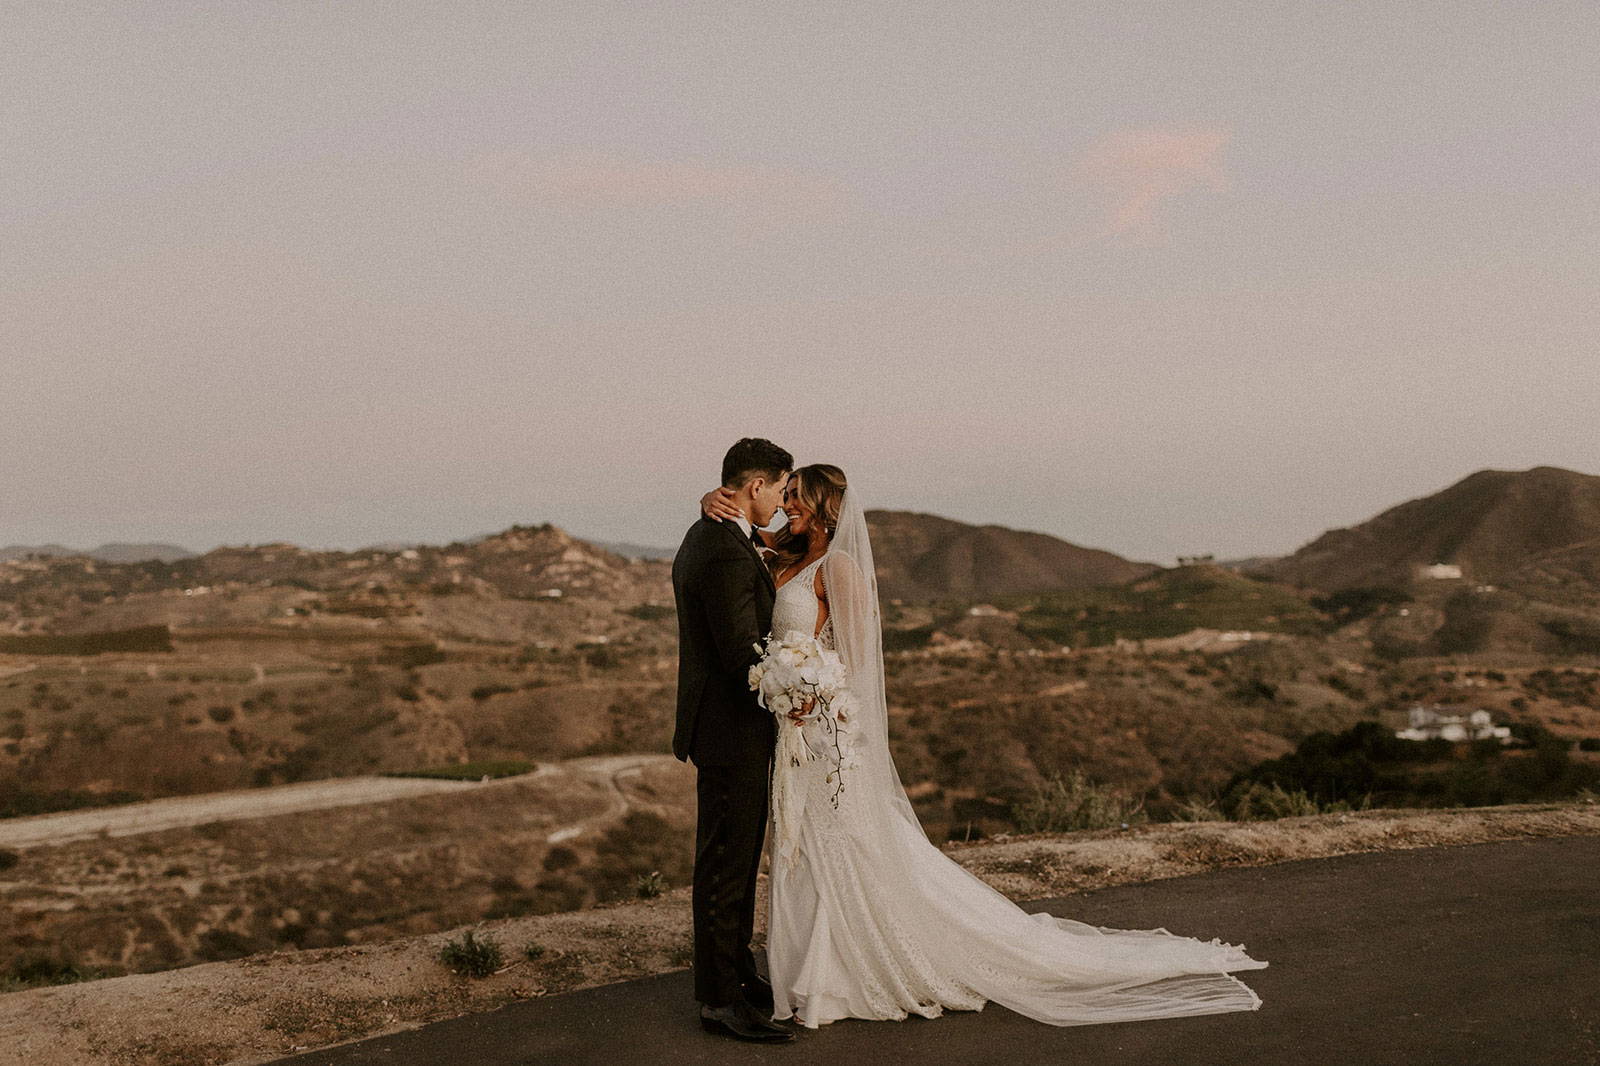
(745, 527)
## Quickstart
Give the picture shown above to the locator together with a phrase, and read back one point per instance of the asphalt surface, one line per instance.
(1482, 954)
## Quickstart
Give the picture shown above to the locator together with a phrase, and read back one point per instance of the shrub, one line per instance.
(216, 945)
(9, 859)
(1064, 803)
(1195, 809)
(1348, 605)
(36, 970)
(601, 657)
(907, 639)
(650, 885)
(642, 843)
(472, 956)
(412, 655)
(560, 858)
(1260, 803)
(470, 771)
(1344, 686)
(1367, 765)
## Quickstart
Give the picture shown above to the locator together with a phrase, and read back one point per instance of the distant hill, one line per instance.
(519, 562)
(637, 551)
(921, 557)
(139, 553)
(1242, 566)
(1491, 524)
(22, 551)
(107, 553)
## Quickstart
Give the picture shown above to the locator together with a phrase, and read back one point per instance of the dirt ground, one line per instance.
(263, 1007)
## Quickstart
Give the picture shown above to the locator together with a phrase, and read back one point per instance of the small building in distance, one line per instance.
(1442, 572)
(1453, 724)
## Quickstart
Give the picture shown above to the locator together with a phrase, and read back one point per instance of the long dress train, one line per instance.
(869, 919)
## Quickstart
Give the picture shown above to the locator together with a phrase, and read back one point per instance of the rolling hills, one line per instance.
(1493, 524)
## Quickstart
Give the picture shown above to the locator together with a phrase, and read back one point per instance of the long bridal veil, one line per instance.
(923, 913)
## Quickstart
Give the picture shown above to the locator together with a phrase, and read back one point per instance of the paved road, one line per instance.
(1484, 954)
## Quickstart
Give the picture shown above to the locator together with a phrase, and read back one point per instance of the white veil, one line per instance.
(851, 583)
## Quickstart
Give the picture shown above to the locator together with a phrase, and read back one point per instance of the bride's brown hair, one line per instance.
(820, 487)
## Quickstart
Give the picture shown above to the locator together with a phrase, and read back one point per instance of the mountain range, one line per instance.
(106, 553)
(1538, 528)
(1497, 526)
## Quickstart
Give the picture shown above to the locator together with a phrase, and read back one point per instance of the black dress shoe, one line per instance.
(740, 1021)
(758, 993)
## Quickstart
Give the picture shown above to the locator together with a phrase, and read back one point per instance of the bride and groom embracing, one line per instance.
(867, 918)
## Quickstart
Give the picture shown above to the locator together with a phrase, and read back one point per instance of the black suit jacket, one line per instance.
(724, 594)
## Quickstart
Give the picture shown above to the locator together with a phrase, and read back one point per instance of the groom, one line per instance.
(725, 595)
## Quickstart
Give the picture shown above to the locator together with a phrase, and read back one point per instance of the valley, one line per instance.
(214, 738)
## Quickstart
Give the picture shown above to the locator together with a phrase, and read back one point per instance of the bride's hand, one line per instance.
(718, 504)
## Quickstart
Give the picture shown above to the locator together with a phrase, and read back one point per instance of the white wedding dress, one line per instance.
(870, 920)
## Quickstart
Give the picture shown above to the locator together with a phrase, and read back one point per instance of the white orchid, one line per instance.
(797, 672)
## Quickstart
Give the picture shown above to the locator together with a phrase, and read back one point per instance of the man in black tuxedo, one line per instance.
(724, 594)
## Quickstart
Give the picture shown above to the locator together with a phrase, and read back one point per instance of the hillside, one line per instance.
(74, 593)
(1492, 524)
(277, 665)
(108, 553)
(924, 557)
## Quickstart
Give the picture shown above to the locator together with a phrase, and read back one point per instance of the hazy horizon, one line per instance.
(666, 547)
(1149, 278)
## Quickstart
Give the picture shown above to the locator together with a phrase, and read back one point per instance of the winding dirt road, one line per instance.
(179, 811)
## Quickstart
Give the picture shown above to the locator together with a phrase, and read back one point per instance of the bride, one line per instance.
(868, 919)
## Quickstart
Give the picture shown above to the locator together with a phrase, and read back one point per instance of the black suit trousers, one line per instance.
(732, 824)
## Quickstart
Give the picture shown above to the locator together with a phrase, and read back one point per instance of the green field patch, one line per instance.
(1167, 604)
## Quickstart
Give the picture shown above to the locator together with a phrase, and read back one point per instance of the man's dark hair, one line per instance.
(754, 457)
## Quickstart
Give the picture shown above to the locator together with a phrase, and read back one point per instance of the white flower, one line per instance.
(844, 707)
(780, 704)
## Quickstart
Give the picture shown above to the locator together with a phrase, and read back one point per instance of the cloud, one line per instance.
(1139, 170)
(595, 181)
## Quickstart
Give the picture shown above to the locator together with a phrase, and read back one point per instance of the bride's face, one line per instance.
(794, 508)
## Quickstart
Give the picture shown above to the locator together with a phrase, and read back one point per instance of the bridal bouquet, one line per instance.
(797, 673)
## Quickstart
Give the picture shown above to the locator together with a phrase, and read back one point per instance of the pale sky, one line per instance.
(1155, 278)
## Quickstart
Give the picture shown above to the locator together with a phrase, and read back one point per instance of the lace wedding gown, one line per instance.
(870, 920)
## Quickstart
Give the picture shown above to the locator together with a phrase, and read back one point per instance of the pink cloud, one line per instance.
(1139, 170)
(603, 181)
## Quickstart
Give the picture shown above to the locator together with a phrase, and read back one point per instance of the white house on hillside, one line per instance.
(1438, 723)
